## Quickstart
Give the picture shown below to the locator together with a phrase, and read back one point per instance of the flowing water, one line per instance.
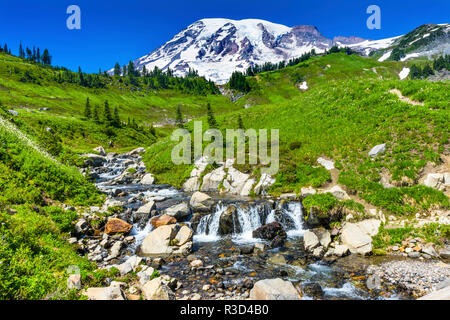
(290, 262)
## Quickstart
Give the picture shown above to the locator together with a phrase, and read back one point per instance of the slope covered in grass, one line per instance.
(346, 111)
(27, 87)
(34, 252)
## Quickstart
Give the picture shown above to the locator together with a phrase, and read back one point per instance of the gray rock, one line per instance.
(178, 211)
(107, 293)
(157, 290)
(310, 240)
(379, 149)
(201, 202)
(274, 289)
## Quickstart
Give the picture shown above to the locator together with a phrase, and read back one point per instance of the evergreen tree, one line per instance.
(46, 58)
(107, 117)
(427, 71)
(240, 123)
(21, 52)
(96, 116)
(211, 120)
(416, 72)
(117, 70)
(179, 119)
(87, 109)
(116, 120)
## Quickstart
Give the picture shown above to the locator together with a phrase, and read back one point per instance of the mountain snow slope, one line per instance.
(218, 47)
(428, 40)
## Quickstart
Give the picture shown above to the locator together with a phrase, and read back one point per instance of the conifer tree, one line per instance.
(107, 113)
(211, 120)
(240, 123)
(87, 109)
(96, 116)
(179, 119)
(116, 120)
(117, 70)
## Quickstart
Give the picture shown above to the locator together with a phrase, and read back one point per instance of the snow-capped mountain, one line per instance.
(218, 47)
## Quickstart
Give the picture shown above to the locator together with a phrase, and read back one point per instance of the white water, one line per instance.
(208, 228)
(248, 220)
(295, 212)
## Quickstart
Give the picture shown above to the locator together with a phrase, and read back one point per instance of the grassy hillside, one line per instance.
(346, 111)
(34, 252)
(27, 87)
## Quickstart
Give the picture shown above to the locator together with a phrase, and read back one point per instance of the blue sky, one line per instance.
(118, 30)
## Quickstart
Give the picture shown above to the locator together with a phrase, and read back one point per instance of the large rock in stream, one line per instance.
(114, 226)
(274, 289)
(201, 202)
(168, 240)
(229, 221)
(273, 232)
(178, 211)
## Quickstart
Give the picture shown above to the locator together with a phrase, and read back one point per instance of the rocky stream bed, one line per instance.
(213, 246)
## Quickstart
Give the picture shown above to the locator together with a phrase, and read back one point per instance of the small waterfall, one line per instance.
(250, 218)
(208, 227)
(295, 213)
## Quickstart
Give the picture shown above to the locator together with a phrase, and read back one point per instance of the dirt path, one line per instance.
(405, 99)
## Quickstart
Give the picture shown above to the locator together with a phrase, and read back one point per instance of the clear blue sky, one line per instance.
(119, 30)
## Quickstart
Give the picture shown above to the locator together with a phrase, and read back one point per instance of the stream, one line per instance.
(227, 266)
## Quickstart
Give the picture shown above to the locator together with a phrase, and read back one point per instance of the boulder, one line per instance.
(270, 231)
(274, 289)
(247, 188)
(356, 239)
(236, 181)
(156, 290)
(146, 208)
(370, 226)
(442, 294)
(192, 184)
(162, 220)
(115, 225)
(101, 151)
(265, 182)
(183, 236)
(106, 293)
(136, 152)
(147, 179)
(201, 202)
(318, 252)
(227, 219)
(340, 250)
(94, 160)
(74, 282)
(338, 193)
(435, 180)
(310, 240)
(379, 149)
(178, 211)
(212, 180)
(324, 237)
(145, 275)
(168, 240)
(327, 164)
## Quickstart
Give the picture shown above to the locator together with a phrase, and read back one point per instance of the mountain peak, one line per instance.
(216, 47)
